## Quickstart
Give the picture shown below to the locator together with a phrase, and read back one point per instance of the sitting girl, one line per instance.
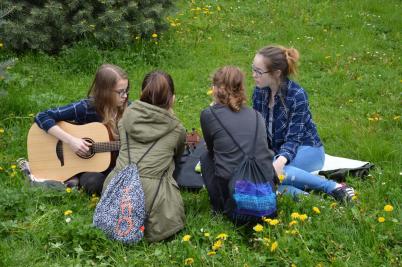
(291, 131)
(229, 129)
(148, 122)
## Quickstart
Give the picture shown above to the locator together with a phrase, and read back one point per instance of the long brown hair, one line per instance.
(101, 93)
(158, 89)
(229, 87)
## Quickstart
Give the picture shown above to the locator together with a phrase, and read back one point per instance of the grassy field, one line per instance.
(350, 67)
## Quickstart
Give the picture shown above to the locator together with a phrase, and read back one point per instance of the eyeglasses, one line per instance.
(257, 72)
(122, 92)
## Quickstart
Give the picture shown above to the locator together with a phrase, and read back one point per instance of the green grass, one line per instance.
(350, 67)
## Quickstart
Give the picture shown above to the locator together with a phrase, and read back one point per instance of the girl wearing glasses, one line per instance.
(291, 131)
(106, 100)
(150, 125)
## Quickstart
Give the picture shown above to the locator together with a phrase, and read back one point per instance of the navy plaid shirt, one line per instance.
(292, 124)
(80, 112)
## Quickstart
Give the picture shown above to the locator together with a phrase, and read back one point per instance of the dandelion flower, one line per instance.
(217, 245)
(186, 238)
(154, 35)
(274, 246)
(295, 215)
(388, 208)
(381, 219)
(206, 234)
(258, 228)
(211, 253)
(292, 223)
(354, 198)
(316, 210)
(209, 91)
(274, 222)
(68, 190)
(281, 178)
(222, 236)
(303, 217)
(68, 212)
(188, 261)
(13, 166)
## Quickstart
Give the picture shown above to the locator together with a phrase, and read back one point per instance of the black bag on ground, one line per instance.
(339, 175)
(252, 193)
(184, 173)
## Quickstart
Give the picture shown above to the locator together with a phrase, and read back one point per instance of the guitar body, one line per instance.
(50, 159)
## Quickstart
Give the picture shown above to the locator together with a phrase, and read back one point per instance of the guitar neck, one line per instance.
(100, 147)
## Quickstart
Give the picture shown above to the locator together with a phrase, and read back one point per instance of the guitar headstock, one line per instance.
(192, 139)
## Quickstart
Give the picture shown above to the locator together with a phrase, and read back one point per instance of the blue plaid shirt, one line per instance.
(80, 112)
(292, 124)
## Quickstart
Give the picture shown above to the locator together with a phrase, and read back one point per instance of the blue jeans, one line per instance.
(298, 178)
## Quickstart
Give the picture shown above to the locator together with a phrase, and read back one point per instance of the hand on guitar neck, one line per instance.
(77, 145)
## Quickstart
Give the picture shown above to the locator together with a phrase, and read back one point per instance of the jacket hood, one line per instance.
(146, 123)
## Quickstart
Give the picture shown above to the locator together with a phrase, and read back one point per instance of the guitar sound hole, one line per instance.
(90, 152)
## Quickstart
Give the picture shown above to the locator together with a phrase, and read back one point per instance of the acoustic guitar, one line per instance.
(50, 159)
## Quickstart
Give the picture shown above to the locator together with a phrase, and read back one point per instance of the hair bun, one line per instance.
(292, 54)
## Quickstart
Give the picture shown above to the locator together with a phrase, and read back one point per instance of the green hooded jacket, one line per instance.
(144, 124)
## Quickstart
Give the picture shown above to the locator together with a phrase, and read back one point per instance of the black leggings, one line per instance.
(217, 187)
(92, 182)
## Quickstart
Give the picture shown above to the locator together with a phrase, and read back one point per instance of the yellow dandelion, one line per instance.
(295, 215)
(68, 212)
(188, 261)
(217, 245)
(209, 91)
(258, 228)
(316, 210)
(303, 217)
(186, 238)
(381, 219)
(281, 178)
(222, 236)
(154, 35)
(274, 246)
(388, 208)
(274, 222)
(13, 166)
(68, 190)
(354, 198)
(206, 234)
(292, 223)
(1, 130)
(211, 253)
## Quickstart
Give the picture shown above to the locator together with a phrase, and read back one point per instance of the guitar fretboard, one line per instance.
(100, 147)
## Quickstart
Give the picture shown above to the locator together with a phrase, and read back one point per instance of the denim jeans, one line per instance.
(298, 178)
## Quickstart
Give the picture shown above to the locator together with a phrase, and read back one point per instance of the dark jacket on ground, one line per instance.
(146, 123)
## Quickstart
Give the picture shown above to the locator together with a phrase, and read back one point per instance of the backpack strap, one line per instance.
(231, 136)
(146, 152)
(160, 181)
